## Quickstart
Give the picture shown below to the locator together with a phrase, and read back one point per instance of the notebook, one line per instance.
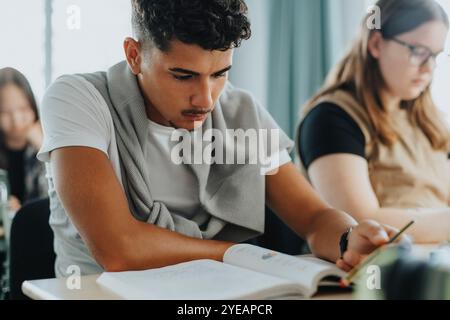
(248, 272)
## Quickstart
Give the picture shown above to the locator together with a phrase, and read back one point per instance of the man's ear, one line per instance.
(134, 55)
(374, 45)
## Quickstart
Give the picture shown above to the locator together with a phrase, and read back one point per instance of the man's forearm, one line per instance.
(150, 247)
(96, 204)
(299, 206)
(328, 225)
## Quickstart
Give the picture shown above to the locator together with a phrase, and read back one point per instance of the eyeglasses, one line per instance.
(420, 55)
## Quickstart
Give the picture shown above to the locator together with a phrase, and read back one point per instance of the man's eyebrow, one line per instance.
(223, 70)
(180, 70)
(193, 73)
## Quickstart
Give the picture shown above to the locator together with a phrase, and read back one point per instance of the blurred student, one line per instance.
(372, 140)
(20, 139)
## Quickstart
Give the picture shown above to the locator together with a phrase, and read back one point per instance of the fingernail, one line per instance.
(382, 236)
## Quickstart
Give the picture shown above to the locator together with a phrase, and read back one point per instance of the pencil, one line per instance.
(345, 282)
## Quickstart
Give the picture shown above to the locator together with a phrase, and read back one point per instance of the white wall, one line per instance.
(441, 93)
(22, 25)
(251, 60)
(96, 43)
(346, 16)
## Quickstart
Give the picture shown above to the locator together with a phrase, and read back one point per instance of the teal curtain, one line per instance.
(303, 45)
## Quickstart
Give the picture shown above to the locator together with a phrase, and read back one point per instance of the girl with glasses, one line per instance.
(372, 141)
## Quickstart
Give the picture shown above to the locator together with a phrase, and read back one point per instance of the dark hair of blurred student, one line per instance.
(20, 138)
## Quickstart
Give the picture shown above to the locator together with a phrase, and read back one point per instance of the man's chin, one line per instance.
(188, 125)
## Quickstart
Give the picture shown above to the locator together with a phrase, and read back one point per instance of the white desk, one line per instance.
(56, 289)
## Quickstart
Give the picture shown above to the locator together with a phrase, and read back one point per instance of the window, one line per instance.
(442, 77)
(22, 30)
(80, 36)
(88, 35)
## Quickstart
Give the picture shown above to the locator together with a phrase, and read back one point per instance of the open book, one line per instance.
(248, 272)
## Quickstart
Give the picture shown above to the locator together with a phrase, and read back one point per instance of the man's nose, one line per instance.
(203, 97)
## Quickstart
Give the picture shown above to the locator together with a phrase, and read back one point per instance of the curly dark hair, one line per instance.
(210, 24)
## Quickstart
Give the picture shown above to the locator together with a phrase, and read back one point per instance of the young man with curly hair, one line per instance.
(119, 202)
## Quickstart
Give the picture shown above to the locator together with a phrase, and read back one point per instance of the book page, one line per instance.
(307, 271)
(196, 280)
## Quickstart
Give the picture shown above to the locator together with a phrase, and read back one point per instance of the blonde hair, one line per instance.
(359, 70)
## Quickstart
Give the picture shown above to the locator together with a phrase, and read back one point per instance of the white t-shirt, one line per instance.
(177, 185)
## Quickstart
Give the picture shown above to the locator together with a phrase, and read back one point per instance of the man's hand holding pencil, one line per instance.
(364, 239)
